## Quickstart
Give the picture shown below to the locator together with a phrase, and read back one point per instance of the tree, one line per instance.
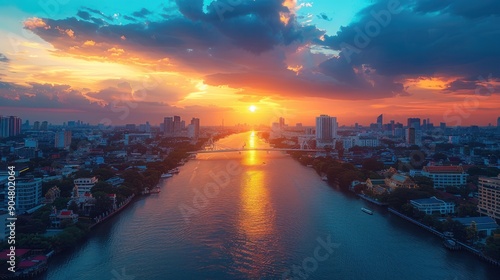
(471, 232)
(373, 164)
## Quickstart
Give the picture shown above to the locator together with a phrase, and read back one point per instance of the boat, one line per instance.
(451, 244)
(166, 175)
(366, 210)
(174, 171)
(324, 178)
(155, 190)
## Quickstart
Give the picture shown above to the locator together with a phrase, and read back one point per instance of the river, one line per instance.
(258, 215)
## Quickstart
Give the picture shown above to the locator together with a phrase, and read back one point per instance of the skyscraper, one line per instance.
(498, 122)
(177, 124)
(10, 126)
(380, 121)
(414, 122)
(44, 126)
(326, 130)
(410, 136)
(282, 122)
(36, 125)
(168, 126)
(194, 129)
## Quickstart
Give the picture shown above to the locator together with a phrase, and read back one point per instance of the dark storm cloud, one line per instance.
(83, 14)
(97, 12)
(408, 43)
(142, 13)
(465, 8)
(3, 58)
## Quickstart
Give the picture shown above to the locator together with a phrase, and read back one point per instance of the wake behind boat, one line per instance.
(366, 210)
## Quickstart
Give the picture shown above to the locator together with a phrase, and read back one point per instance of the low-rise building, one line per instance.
(433, 205)
(400, 181)
(84, 185)
(485, 225)
(446, 176)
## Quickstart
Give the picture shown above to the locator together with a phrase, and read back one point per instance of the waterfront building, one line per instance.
(446, 176)
(400, 181)
(84, 185)
(489, 196)
(194, 129)
(433, 205)
(326, 131)
(485, 225)
(377, 186)
(64, 217)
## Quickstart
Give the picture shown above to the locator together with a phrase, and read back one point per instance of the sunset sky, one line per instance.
(118, 62)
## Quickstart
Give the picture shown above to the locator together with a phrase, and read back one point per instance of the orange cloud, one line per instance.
(116, 52)
(89, 43)
(34, 22)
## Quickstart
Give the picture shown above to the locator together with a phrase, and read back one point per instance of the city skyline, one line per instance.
(124, 65)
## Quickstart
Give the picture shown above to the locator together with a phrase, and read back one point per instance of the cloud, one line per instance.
(249, 46)
(129, 18)
(119, 103)
(84, 15)
(3, 58)
(142, 13)
(324, 17)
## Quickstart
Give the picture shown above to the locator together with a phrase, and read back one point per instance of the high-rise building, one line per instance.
(282, 122)
(177, 124)
(380, 121)
(44, 126)
(442, 125)
(28, 193)
(4, 126)
(410, 136)
(14, 126)
(36, 125)
(414, 122)
(10, 126)
(488, 198)
(63, 139)
(168, 126)
(194, 129)
(326, 130)
(498, 122)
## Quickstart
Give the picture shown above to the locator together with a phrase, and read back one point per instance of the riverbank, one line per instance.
(468, 248)
(103, 218)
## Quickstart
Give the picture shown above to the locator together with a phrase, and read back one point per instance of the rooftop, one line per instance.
(482, 223)
(444, 169)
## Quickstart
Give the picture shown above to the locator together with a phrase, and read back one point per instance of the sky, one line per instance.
(115, 63)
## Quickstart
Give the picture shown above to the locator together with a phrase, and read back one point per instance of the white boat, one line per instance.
(367, 211)
(174, 171)
(166, 175)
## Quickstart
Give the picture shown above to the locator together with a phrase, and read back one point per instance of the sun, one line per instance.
(252, 108)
